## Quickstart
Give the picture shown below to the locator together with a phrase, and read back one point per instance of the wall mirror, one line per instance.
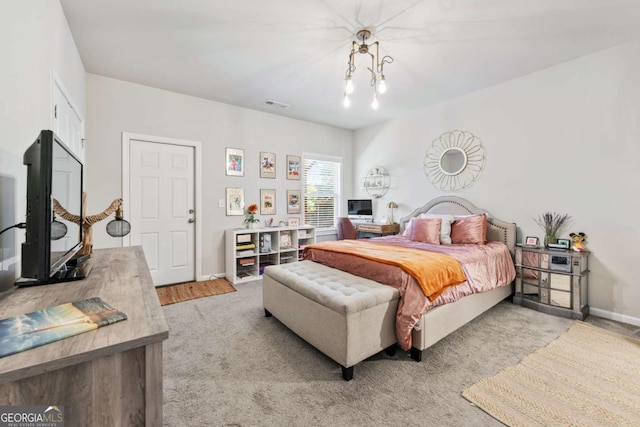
(454, 160)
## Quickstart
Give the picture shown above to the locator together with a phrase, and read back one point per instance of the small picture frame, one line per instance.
(267, 165)
(293, 167)
(267, 202)
(285, 239)
(531, 241)
(235, 201)
(234, 161)
(293, 202)
(293, 221)
(566, 243)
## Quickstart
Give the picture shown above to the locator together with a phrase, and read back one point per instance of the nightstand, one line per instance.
(553, 281)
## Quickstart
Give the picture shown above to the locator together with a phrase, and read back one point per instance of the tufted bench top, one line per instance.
(335, 289)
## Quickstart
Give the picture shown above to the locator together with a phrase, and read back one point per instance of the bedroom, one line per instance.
(562, 138)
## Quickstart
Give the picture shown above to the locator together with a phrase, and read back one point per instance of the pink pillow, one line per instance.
(426, 230)
(469, 229)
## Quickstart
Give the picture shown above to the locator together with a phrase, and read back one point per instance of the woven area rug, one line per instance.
(586, 377)
(192, 290)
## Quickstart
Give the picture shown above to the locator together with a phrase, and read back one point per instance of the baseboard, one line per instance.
(614, 316)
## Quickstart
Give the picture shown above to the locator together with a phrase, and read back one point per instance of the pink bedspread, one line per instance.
(486, 267)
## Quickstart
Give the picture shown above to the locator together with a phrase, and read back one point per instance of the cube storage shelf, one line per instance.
(553, 281)
(249, 251)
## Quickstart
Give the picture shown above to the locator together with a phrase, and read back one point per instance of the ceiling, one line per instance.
(296, 51)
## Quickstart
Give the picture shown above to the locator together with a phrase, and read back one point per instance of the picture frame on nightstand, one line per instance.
(565, 242)
(531, 241)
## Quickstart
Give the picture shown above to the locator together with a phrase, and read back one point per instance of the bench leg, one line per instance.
(416, 354)
(391, 350)
(267, 313)
(347, 373)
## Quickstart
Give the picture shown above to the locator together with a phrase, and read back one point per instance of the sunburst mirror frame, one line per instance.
(461, 141)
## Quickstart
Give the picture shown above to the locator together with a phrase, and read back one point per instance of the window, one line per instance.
(321, 190)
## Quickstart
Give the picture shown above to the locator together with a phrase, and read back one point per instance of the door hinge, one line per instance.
(82, 141)
(55, 111)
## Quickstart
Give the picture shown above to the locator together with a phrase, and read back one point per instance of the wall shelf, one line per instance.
(376, 182)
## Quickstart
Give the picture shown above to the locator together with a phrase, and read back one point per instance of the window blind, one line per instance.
(321, 192)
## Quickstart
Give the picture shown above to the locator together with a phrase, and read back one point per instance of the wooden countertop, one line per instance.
(120, 276)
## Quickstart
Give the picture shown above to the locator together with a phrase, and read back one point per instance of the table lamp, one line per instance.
(392, 206)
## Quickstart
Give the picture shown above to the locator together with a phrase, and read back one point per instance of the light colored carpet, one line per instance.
(225, 364)
(192, 290)
(587, 377)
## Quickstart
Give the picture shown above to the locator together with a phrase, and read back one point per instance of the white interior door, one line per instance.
(161, 193)
(67, 123)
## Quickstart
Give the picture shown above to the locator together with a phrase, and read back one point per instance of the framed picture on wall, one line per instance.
(293, 201)
(267, 165)
(235, 201)
(293, 167)
(267, 202)
(234, 161)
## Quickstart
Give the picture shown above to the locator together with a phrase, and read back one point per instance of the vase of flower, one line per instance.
(250, 218)
(551, 223)
(549, 238)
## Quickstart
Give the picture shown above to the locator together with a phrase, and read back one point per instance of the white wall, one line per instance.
(35, 39)
(115, 106)
(565, 139)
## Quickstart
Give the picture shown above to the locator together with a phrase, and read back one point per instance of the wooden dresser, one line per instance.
(108, 377)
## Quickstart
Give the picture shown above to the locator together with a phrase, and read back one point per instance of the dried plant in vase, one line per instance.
(551, 223)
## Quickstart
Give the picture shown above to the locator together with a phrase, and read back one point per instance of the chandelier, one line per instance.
(377, 68)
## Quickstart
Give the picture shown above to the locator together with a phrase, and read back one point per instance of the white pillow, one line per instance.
(445, 228)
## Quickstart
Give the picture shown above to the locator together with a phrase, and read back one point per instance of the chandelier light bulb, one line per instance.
(374, 103)
(382, 87)
(346, 102)
(348, 86)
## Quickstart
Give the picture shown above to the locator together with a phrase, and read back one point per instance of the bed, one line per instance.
(426, 322)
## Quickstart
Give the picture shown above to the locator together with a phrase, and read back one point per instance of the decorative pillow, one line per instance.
(445, 228)
(407, 230)
(426, 230)
(469, 229)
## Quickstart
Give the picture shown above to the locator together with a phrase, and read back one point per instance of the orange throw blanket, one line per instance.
(433, 271)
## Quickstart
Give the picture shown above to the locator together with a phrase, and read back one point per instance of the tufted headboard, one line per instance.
(497, 230)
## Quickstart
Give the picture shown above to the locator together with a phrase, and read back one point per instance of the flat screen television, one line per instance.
(53, 171)
(360, 209)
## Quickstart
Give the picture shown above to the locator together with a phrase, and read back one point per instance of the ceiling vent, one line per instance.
(276, 105)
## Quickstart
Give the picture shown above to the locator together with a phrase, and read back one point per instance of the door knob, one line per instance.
(191, 211)
(191, 221)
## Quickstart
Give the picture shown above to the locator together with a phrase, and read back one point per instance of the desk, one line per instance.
(377, 230)
(108, 377)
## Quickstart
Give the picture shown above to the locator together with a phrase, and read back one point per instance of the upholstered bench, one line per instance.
(346, 317)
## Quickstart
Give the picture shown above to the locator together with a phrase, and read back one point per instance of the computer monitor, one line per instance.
(360, 210)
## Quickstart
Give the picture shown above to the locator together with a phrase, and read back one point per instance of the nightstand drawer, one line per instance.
(560, 281)
(560, 298)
